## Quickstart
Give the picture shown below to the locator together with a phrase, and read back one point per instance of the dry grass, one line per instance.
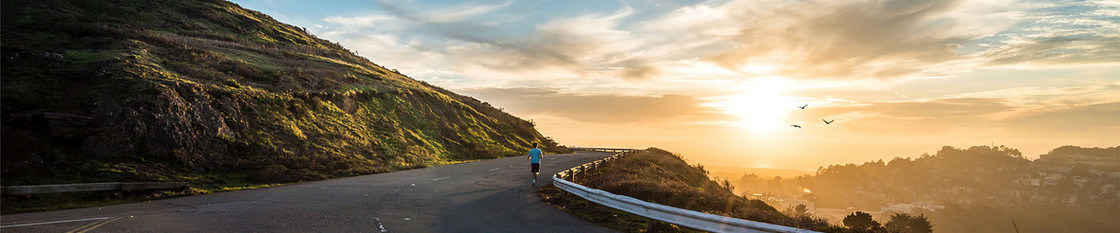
(657, 176)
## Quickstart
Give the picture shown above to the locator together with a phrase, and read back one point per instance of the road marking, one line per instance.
(379, 226)
(54, 222)
(94, 225)
(445, 177)
(495, 169)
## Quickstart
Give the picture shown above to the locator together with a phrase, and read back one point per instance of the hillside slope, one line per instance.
(657, 176)
(209, 92)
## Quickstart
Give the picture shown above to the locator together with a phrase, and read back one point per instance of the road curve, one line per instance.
(484, 196)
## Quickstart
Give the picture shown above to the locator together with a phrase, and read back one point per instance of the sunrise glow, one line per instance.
(762, 105)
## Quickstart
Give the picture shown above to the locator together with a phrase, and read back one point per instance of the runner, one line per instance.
(535, 162)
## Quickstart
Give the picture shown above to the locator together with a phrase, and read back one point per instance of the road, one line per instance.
(484, 196)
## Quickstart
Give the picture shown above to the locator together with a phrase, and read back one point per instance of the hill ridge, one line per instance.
(209, 92)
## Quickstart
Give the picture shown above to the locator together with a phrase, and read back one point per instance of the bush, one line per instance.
(274, 173)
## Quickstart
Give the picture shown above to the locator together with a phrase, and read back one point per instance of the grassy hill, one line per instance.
(215, 94)
(658, 176)
(1069, 189)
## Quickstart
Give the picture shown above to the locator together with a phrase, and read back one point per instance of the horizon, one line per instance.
(720, 82)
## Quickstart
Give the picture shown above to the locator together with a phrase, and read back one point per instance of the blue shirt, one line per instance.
(535, 155)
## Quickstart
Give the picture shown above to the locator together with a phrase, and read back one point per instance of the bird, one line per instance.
(798, 126)
(827, 121)
(803, 106)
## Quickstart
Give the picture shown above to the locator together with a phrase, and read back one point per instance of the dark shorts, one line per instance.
(536, 167)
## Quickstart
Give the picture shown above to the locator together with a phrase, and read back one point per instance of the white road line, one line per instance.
(495, 169)
(94, 225)
(379, 226)
(445, 177)
(55, 222)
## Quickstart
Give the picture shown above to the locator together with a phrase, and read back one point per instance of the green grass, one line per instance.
(209, 93)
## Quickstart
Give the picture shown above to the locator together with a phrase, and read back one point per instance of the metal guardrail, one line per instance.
(688, 218)
(110, 186)
(600, 149)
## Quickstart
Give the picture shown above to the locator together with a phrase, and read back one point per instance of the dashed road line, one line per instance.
(445, 177)
(54, 222)
(94, 225)
(379, 226)
(495, 169)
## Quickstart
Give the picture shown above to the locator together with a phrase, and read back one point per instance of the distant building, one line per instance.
(1051, 179)
(908, 207)
(1080, 181)
(1070, 200)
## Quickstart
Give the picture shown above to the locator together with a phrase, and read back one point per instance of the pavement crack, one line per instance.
(485, 184)
(180, 205)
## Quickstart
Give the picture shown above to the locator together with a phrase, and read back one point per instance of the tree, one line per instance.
(904, 223)
(801, 210)
(860, 222)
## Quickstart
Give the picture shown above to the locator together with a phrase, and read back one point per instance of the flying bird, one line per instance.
(798, 126)
(827, 122)
(803, 106)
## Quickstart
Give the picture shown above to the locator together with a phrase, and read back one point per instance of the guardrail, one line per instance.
(88, 187)
(688, 218)
(601, 149)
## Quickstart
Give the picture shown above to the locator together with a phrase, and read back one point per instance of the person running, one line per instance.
(535, 162)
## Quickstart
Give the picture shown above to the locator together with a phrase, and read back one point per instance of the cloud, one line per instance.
(940, 108)
(464, 38)
(1032, 98)
(584, 44)
(603, 109)
(441, 15)
(360, 22)
(1081, 119)
(1065, 34)
(839, 40)
(891, 39)
(813, 39)
(1086, 109)
(1060, 50)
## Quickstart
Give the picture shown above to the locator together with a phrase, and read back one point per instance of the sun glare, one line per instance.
(762, 106)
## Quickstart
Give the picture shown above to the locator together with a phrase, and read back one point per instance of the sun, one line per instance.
(762, 106)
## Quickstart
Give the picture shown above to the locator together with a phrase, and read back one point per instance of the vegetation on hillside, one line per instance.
(217, 95)
(657, 176)
(1070, 189)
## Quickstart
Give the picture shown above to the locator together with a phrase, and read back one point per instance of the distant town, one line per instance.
(998, 178)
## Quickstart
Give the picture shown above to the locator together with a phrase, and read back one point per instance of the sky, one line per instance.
(722, 82)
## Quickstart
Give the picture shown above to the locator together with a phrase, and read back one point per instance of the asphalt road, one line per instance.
(484, 196)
